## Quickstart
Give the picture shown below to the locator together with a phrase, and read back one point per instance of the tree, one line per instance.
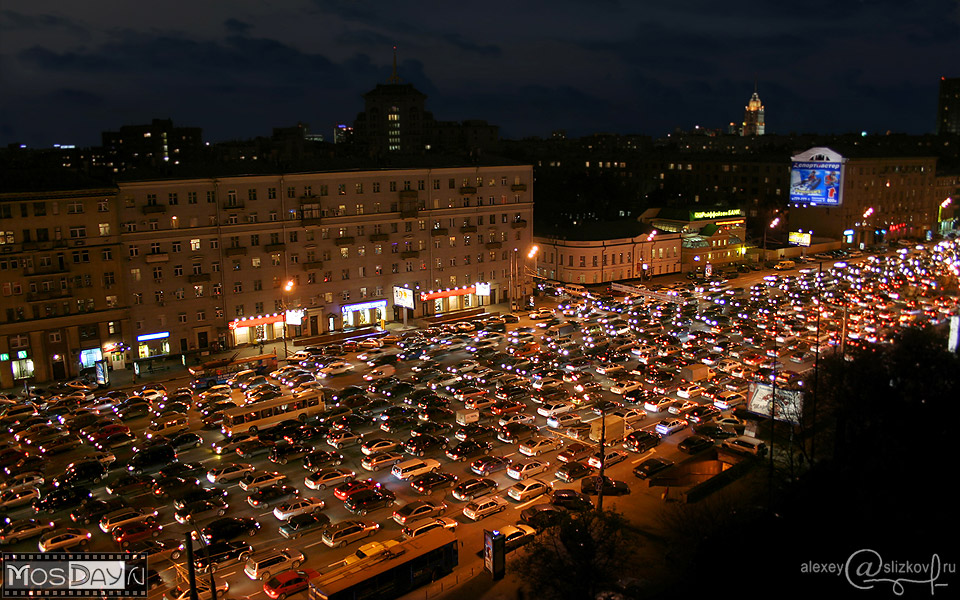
(580, 556)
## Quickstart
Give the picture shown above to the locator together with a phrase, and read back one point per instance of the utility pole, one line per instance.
(603, 454)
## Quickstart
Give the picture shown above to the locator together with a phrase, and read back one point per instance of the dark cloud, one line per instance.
(237, 27)
(12, 20)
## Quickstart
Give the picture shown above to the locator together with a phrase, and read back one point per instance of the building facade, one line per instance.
(881, 199)
(209, 260)
(589, 262)
(64, 298)
(754, 122)
(948, 106)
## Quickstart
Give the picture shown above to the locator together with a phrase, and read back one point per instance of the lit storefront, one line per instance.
(441, 301)
(250, 330)
(115, 353)
(153, 344)
(363, 314)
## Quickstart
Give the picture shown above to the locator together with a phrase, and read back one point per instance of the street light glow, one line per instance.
(289, 286)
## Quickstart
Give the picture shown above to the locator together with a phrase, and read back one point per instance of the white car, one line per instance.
(689, 390)
(613, 456)
(64, 539)
(727, 364)
(372, 354)
(555, 408)
(254, 481)
(484, 507)
(527, 468)
(335, 368)
(548, 383)
(380, 372)
(526, 490)
(229, 472)
(32, 479)
(18, 497)
(662, 403)
(669, 426)
(298, 506)
(727, 400)
(538, 446)
(563, 420)
(516, 418)
(630, 415)
(625, 385)
(682, 409)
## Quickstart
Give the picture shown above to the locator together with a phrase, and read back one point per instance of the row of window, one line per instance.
(39, 209)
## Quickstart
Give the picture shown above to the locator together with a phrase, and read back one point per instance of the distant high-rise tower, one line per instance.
(948, 112)
(753, 123)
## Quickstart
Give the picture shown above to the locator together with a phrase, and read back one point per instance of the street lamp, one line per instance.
(863, 226)
(287, 288)
(943, 205)
(534, 254)
(773, 224)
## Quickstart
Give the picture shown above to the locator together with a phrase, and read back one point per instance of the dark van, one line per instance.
(152, 458)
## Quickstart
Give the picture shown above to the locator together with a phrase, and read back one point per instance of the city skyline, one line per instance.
(239, 69)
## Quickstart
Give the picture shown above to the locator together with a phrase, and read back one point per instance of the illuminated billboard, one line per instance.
(813, 182)
(798, 238)
(787, 406)
(403, 297)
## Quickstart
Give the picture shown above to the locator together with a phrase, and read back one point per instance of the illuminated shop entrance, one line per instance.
(442, 301)
(153, 344)
(363, 314)
(252, 330)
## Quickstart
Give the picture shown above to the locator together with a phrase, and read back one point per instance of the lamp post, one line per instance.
(287, 288)
(773, 224)
(863, 227)
(534, 254)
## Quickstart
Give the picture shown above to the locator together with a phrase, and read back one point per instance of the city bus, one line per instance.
(219, 371)
(392, 572)
(259, 415)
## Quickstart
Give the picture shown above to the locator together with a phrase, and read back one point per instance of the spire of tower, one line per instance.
(394, 78)
(755, 85)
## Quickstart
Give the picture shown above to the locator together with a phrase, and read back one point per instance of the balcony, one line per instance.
(379, 237)
(45, 271)
(468, 229)
(235, 205)
(518, 187)
(344, 241)
(312, 265)
(494, 245)
(409, 212)
(280, 247)
(237, 251)
(198, 277)
(518, 225)
(437, 232)
(149, 209)
(41, 296)
(307, 221)
(407, 254)
(408, 194)
(158, 257)
(468, 190)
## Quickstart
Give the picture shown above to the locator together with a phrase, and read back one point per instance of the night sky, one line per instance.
(239, 68)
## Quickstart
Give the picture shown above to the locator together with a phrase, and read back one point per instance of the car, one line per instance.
(183, 591)
(61, 498)
(328, 477)
(659, 404)
(229, 528)
(345, 489)
(29, 479)
(651, 467)
(429, 482)
(518, 535)
(695, 443)
(485, 465)
(516, 433)
(262, 565)
(229, 445)
(201, 509)
(156, 550)
(625, 385)
(539, 445)
(484, 507)
(528, 489)
(319, 459)
(745, 445)
(572, 471)
(380, 460)
(126, 516)
(377, 445)
(214, 556)
(365, 501)
(516, 418)
(91, 511)
(670, 426)
(611, 487)
(575, 451)
(124, 535)
(641, 441)
(541, 516)
(63, 539)
(335, 368)
(528, 468)
(196, 494)
(419, 445)
(283, 453)
(299, 525)
(346, 532)
(259, 479)
(474, 487)
(563, 420)
(129, 485)
(16, 498)
(22, 529)
(702, 413)
(298, 506)
(287, 583)
(419, 509)
(613, 456)
(268, 495)
(228, 472)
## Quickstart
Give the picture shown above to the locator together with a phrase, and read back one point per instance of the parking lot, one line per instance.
(527, 388)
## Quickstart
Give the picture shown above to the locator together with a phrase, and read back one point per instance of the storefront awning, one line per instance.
(254, 321)
(424, 296)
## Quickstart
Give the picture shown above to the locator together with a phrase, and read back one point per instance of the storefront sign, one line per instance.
(295, 316)
(381, 304)
(254, 321)
(153, 336)
(483, 289)
(798, 238)
(403, 297)
(715, 214)
(464, 291)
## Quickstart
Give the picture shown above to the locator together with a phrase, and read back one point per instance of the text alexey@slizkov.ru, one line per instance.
(867, 570)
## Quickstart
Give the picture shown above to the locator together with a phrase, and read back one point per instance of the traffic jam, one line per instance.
(278, 471)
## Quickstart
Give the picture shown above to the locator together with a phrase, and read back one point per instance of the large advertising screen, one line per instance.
(787, 405)
(815, 183)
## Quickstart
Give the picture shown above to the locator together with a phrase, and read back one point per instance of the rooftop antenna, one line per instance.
(394, 78)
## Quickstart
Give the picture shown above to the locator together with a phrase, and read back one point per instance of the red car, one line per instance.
(125, 535)
(507, 407)
(288, 582)
(105, 432)
(344, 490)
